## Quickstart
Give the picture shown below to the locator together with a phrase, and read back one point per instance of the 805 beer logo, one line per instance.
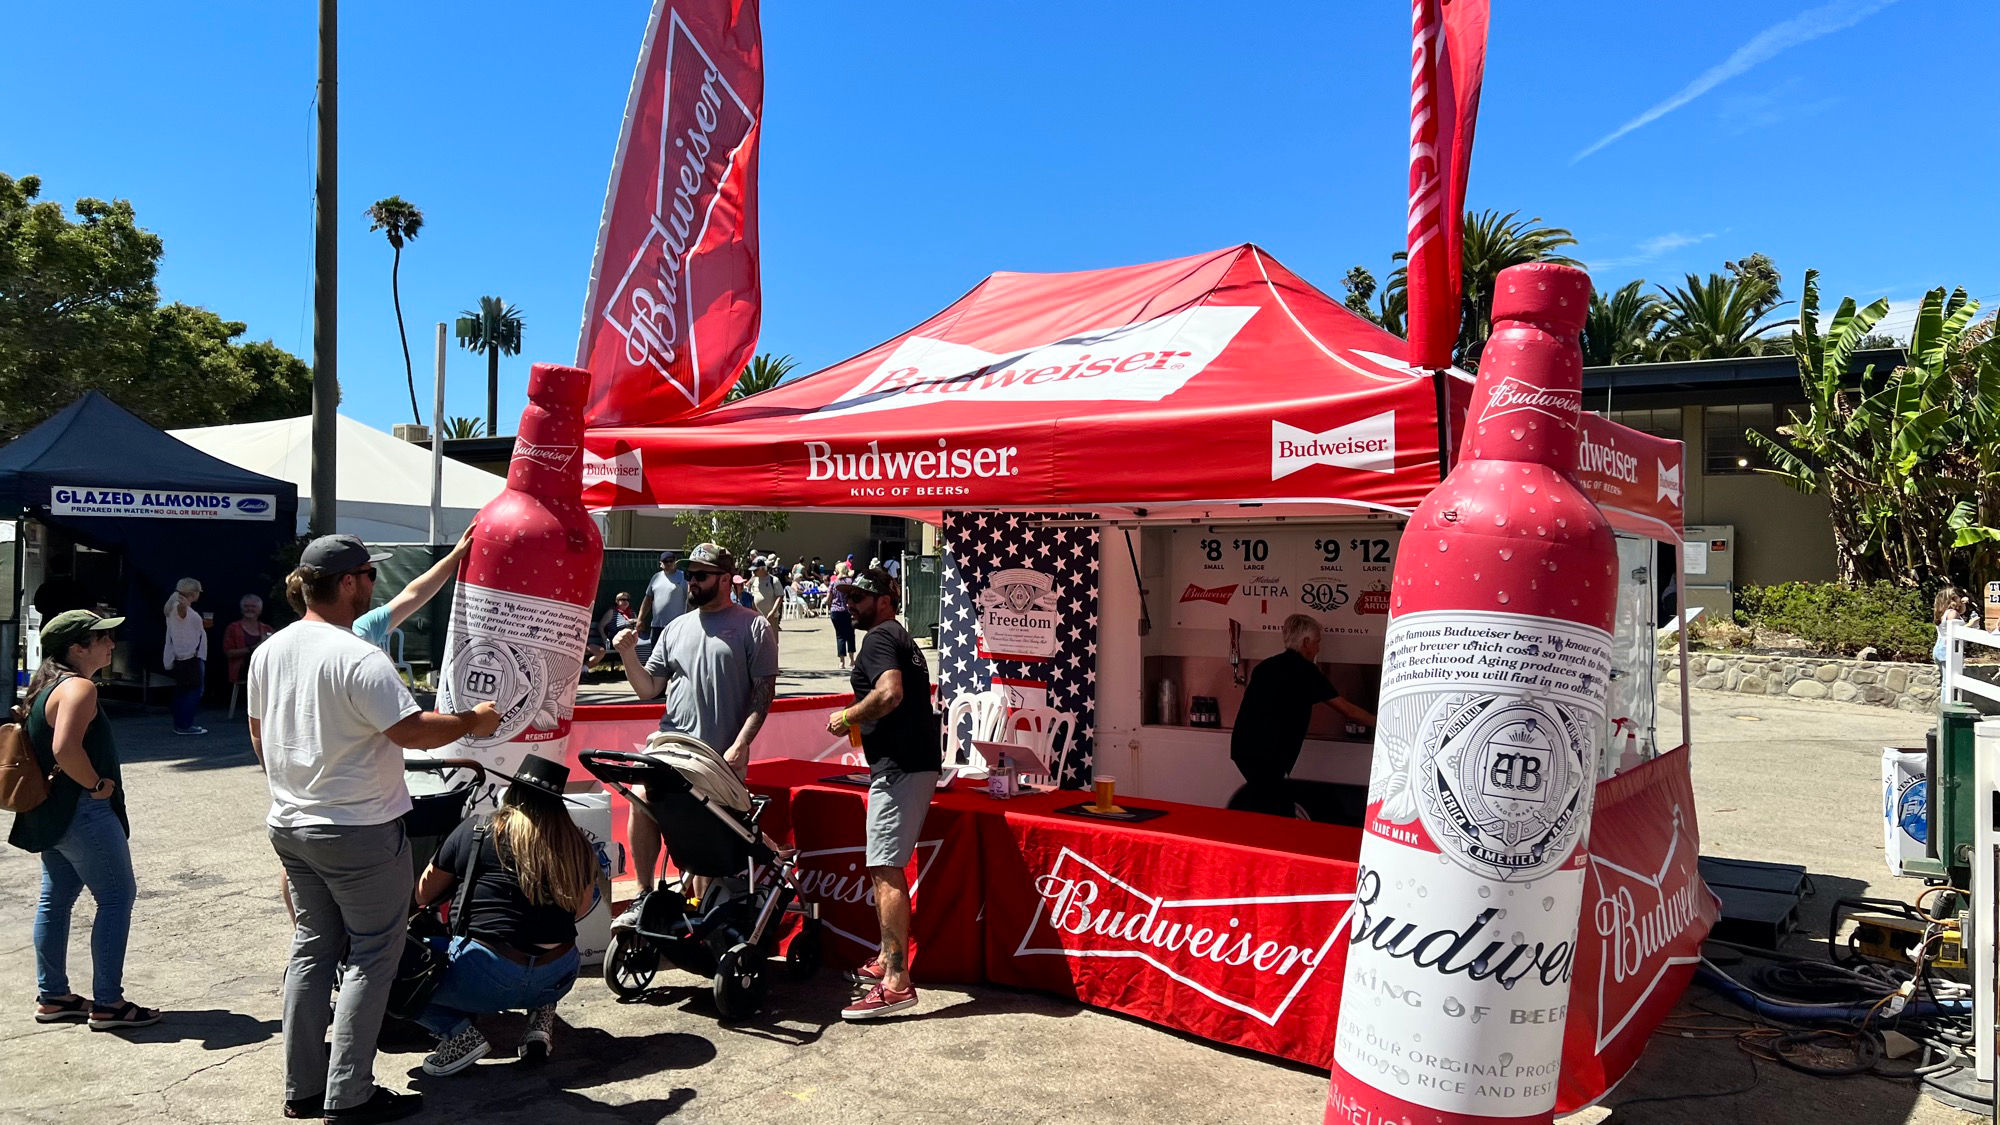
(1323, 596)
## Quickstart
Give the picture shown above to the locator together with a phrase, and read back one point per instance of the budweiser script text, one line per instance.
(1073, 910)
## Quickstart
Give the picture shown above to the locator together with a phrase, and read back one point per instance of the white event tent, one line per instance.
(385, 483)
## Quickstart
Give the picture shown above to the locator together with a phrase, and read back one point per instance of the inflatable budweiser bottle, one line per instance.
(1493, 682)
(521, 614)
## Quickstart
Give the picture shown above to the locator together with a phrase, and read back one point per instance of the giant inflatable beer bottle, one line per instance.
(1492, 705)
(521, 614)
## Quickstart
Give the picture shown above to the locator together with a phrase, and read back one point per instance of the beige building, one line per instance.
(1782, 535)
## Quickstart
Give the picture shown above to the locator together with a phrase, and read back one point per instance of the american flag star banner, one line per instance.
(1447, 65)
(674, 305)
(1020, 613)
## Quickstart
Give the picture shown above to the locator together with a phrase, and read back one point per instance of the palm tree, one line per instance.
(1720, 318)
(1620, 328)
(761, 374)
(458, 427)
(400, 221)
(1493, 242)
(495, 330)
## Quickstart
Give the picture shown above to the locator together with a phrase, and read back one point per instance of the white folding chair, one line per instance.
(987, 712)
(1044, 734)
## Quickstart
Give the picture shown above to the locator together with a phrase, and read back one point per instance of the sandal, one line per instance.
(68, 1009)
(127, 1014)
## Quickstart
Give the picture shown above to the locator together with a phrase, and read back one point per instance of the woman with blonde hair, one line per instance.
(1951, 605)
(535, 878)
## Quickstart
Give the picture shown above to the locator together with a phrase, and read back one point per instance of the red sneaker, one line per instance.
(878, 1003)
(871, 973)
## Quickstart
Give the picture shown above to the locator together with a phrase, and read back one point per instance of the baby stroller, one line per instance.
(437, 807)
(708, 819)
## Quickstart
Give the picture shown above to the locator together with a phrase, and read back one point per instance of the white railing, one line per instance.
(1953, 683)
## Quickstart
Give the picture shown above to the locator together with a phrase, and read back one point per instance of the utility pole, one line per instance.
(326, 277)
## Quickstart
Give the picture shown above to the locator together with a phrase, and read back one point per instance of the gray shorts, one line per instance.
(897, 802)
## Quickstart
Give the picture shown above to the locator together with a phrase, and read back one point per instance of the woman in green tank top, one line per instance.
(80, 830)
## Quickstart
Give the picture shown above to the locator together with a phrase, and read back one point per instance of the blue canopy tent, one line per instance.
(113, 483)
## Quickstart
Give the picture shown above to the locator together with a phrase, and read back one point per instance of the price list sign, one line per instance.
(1259, 576)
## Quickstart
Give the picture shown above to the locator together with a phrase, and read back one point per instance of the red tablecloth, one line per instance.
(1217, 923)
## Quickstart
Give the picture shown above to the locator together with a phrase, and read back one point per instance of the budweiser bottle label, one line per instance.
(1497, 655)
(521, 614)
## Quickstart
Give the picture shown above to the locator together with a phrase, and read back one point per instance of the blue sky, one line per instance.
(910, 149)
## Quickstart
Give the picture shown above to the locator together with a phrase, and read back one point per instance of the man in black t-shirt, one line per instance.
(1277, 708)
(899, 737)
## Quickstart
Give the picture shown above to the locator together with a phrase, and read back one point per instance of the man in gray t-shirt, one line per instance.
(718, 668)
(666, 596)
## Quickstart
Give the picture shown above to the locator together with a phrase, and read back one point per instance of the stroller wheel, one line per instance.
(739, 981)
(630, 963)
(803, 955)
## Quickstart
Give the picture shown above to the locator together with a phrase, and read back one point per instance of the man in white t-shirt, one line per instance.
(329, 720)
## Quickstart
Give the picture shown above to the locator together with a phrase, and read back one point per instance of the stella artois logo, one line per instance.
(1373, 601)
(1220, 595)
(1514, 395)
(1504, 783)
(1211, 945)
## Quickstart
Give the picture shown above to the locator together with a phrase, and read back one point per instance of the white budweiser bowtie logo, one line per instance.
(1368, 445)
(837, 880)
(1670, 483)
(1512, 395)
(1639, 916)
(1206, 944)
(624, 469)
(1143, 362)
(555, 457)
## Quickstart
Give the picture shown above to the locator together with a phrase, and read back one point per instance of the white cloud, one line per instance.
(1762, 47)
(1653, 248)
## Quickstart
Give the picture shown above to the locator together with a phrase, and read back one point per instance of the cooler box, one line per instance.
(1905, 807)
(591, 811)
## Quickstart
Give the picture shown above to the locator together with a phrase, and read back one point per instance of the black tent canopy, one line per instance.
(114, 483)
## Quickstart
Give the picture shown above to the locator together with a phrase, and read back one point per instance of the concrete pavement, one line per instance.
(1775, 779)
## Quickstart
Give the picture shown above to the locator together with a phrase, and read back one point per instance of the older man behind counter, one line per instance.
(1277, 708)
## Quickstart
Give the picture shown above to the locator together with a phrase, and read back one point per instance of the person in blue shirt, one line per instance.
(376, 625)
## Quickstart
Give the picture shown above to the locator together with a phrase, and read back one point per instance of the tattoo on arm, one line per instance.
(762, 692)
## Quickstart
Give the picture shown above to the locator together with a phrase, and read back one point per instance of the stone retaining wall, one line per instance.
(1905, 687)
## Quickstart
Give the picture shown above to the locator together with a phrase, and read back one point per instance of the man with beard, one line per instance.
(718, 667)
(899, 737)
(329, 721)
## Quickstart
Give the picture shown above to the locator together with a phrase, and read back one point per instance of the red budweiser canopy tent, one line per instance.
(1186, 388)
(1187, 385)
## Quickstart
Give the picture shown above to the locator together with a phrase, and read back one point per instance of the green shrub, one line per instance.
(1837, 619)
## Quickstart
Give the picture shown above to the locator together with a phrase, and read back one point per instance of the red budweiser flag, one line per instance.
(673, 308)
(1447, 62)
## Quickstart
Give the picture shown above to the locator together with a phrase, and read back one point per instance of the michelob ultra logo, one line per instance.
(1142, 362)
(1368, 445)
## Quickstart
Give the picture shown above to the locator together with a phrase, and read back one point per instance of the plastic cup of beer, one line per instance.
(1106, 787)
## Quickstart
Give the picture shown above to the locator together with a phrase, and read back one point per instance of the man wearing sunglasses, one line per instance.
(717, 665)
(329, 721)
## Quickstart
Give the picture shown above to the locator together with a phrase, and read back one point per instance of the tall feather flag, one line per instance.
(674, 304)
(1447, 64)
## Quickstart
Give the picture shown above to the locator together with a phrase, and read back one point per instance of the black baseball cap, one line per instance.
(339, 554)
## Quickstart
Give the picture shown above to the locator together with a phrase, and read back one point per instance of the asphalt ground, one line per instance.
(1776, 780)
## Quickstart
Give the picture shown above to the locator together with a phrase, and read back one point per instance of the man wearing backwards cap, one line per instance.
(718, 668)
(899, 737)
(329, 720)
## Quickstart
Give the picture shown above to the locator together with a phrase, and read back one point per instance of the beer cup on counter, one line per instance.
(1106, 787)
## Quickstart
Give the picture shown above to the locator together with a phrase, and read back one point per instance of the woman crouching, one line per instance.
(536, 878)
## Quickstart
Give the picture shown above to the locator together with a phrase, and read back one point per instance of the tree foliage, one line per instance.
(735, 529)
(1722, 317)
(1620, 327)
(761, 374)
(458, 427)
(80, 311)
(493, 329)
(1909, 461)
(399, 221)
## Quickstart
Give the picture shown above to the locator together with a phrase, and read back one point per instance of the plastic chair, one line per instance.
(1039, 731)
(987, 711)
(396, 656)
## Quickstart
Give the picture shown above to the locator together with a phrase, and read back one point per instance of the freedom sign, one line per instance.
(674, 306)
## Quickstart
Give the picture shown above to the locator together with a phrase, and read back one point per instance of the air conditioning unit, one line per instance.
(411, 432)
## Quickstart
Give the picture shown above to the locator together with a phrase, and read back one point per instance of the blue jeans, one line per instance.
(186, 700)
(480, 981)
(94, 854)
